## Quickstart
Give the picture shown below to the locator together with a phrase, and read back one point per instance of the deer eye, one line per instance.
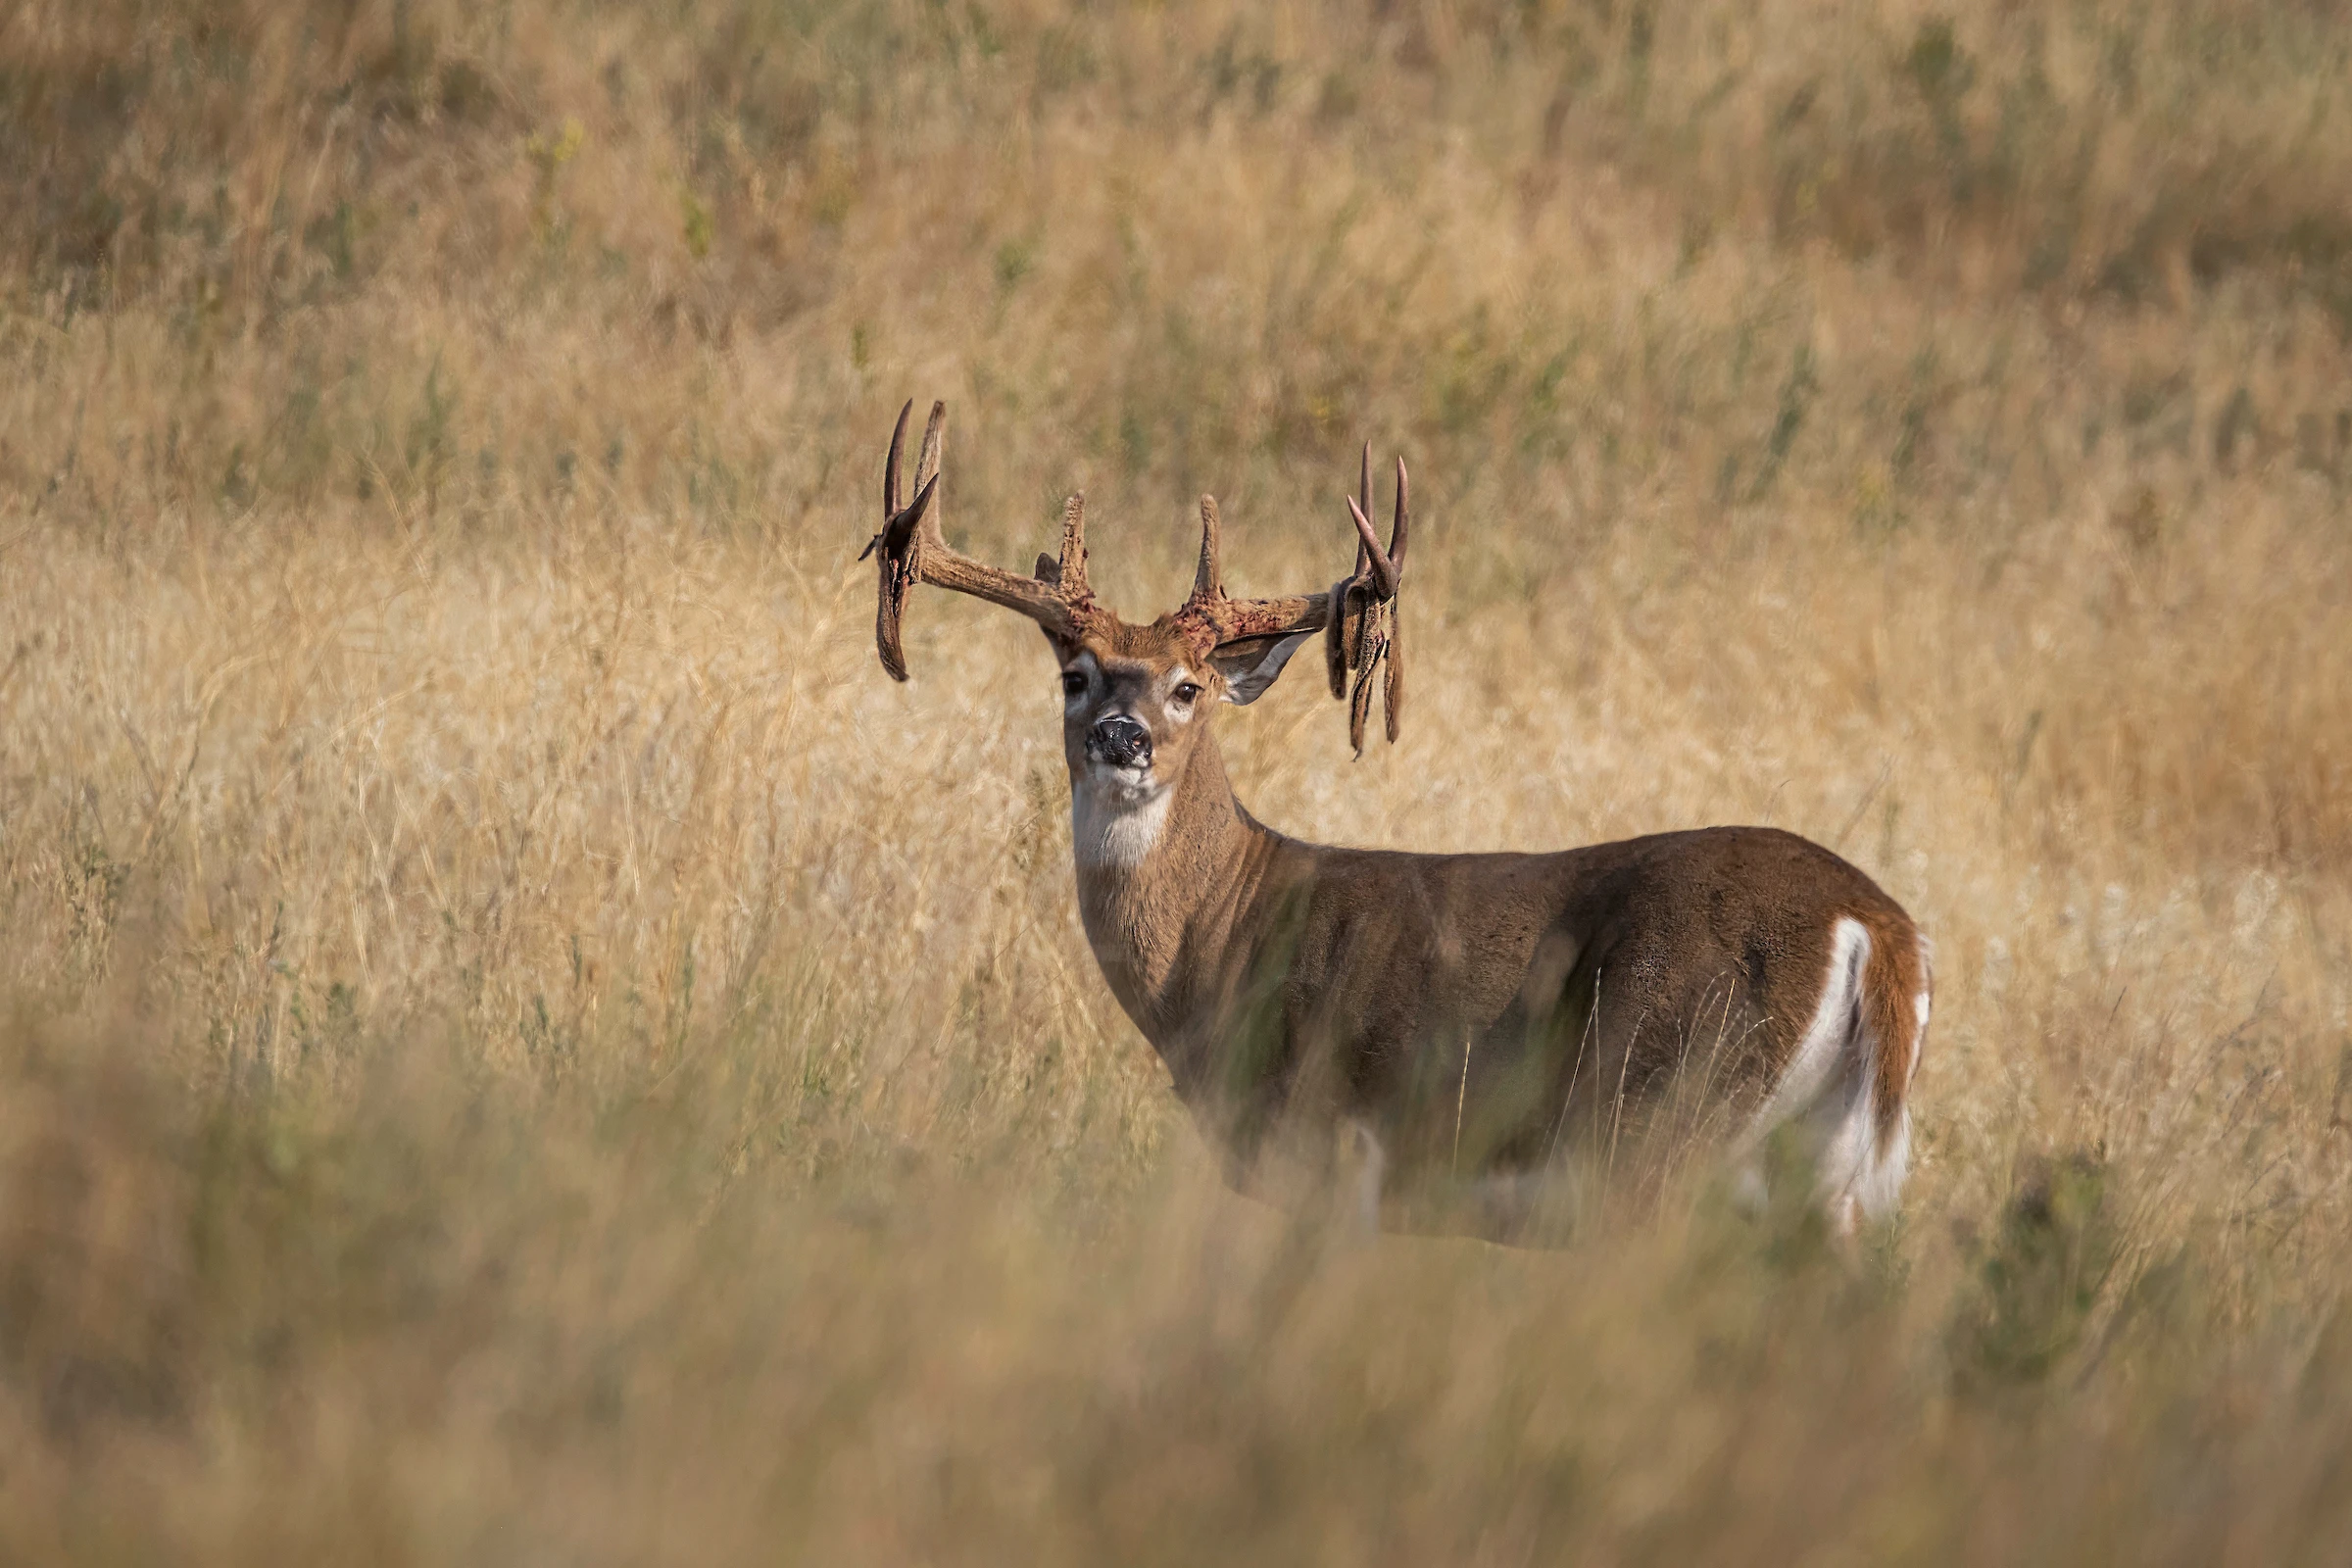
(1073, 683)
(1186, 693)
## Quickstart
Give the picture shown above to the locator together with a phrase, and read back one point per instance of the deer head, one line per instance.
(1136, 698)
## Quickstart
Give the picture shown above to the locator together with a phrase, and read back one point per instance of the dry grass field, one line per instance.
(518, 1044)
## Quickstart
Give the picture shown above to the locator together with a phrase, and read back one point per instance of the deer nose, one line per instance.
(1119, 741)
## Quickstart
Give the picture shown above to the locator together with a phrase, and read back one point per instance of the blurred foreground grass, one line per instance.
(519, 1042)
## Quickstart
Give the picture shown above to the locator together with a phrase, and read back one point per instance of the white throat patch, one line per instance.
(1115, 826)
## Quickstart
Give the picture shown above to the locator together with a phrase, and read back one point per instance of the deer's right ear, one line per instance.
(1250, 666)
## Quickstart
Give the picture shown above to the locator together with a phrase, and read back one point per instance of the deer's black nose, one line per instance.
(1119, 741)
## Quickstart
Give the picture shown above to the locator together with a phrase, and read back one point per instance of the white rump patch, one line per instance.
(1830, 1090)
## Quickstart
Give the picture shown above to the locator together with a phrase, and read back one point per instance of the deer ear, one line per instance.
(1249, 666)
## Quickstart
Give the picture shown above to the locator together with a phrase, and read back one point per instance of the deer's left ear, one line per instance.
(1250, 666)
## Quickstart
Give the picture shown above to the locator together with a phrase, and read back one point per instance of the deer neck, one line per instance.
(1164, 878)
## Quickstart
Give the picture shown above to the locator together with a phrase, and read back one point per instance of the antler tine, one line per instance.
(1392, 693)
(1383, 569)
(1217, 621)
(911, 549)
(1361, 634)
(890, 467)
(1209, 580)
(1397, 527)
(1340, 633)
(1074, 547)
(935, 433)
(1335, 641)
(1360, 708)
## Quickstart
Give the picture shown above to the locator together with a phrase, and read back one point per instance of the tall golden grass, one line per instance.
(522, 1045)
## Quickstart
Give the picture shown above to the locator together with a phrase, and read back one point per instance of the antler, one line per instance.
(1365, 628)
(911, 548)
(1219, 622)
(1358, 615)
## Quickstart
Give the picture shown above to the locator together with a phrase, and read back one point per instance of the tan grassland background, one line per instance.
(518, 1044)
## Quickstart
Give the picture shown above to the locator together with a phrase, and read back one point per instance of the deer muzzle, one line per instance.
(1118, 741)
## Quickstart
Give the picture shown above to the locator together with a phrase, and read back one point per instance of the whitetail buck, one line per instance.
(1473, 1025)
